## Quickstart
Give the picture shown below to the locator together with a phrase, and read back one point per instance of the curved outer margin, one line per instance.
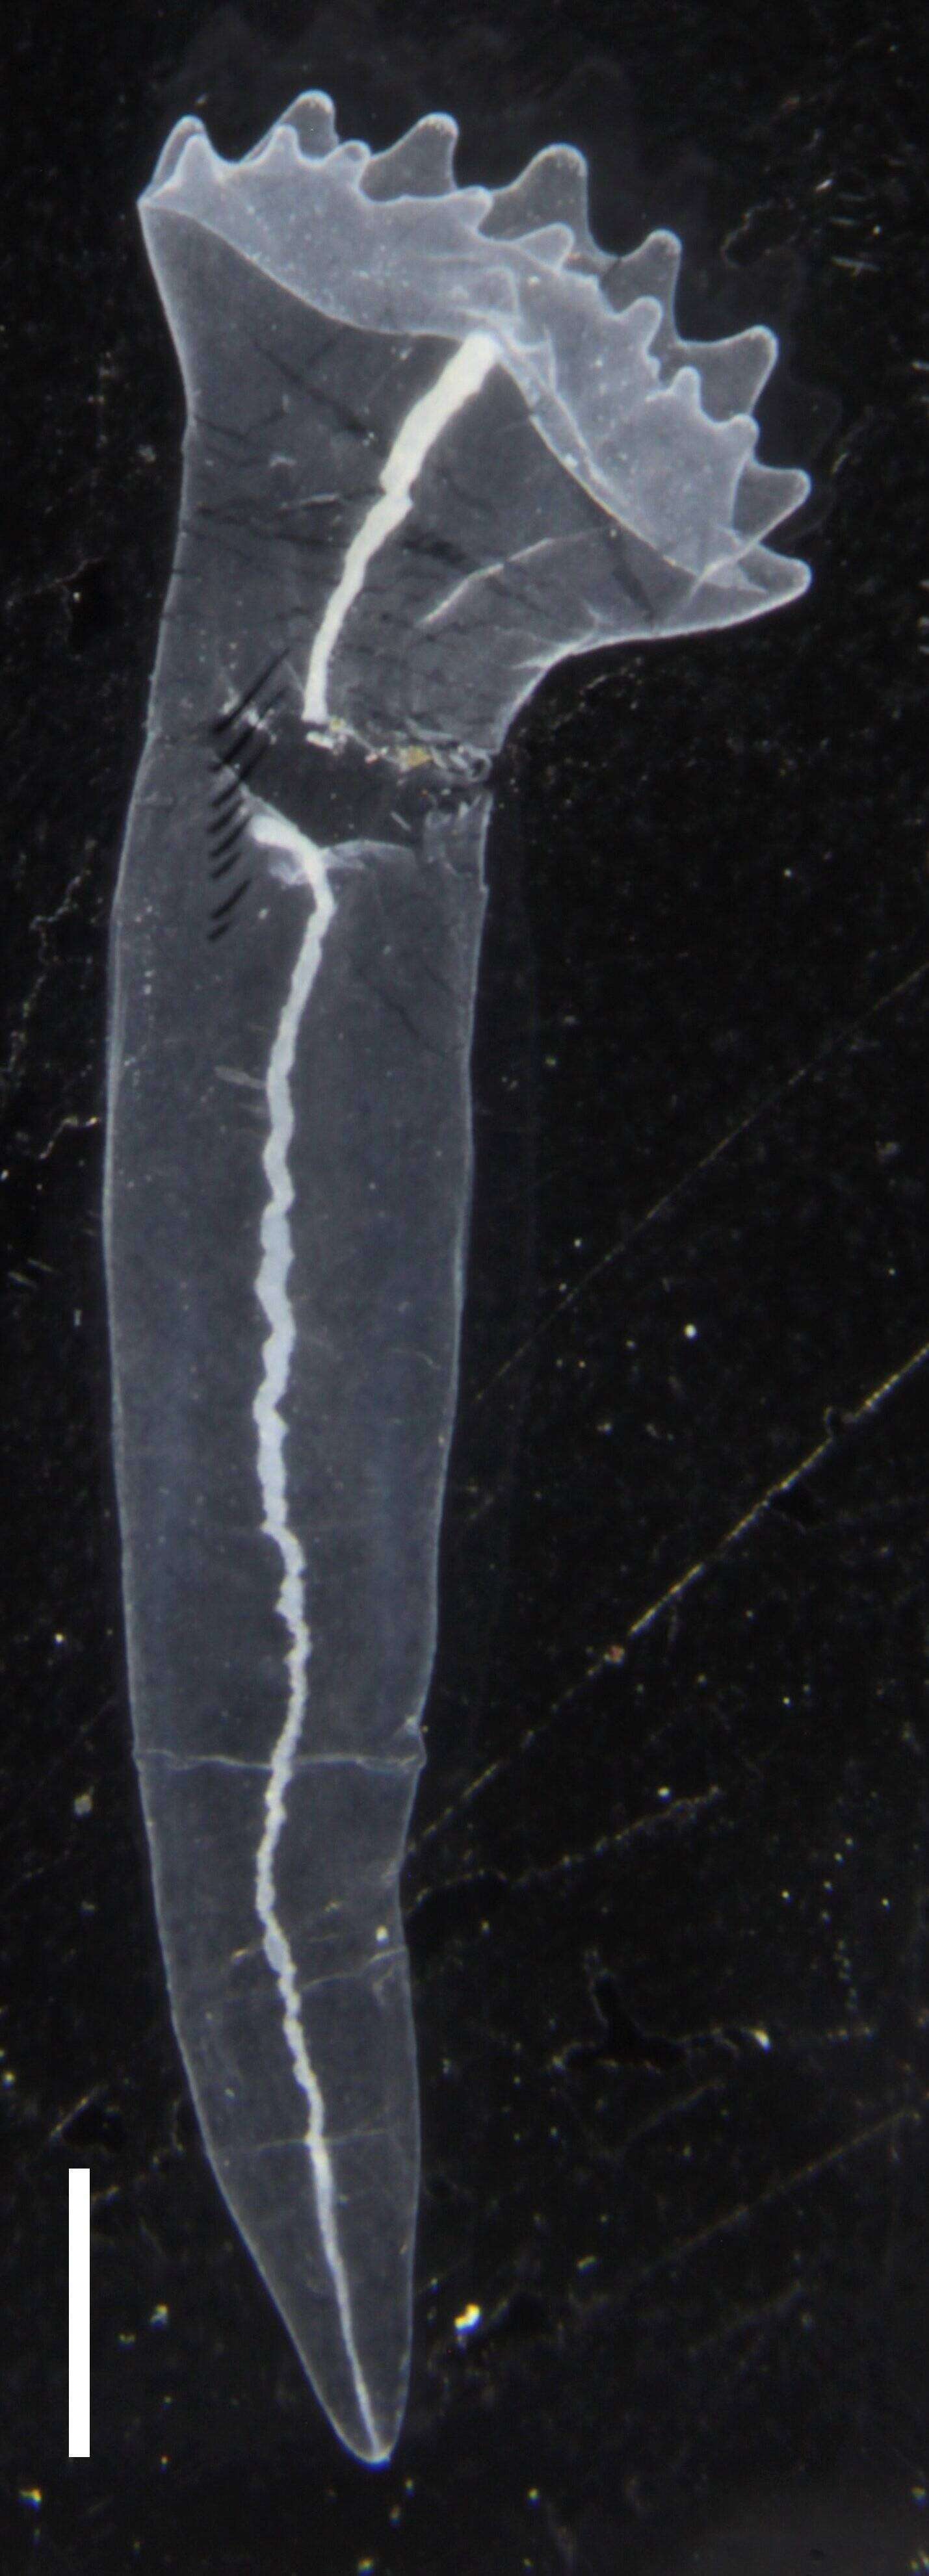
(656, 428)
(436, 441)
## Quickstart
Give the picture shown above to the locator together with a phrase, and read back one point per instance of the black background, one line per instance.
(667, 1884)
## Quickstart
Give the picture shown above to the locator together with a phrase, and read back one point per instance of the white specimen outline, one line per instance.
(598, 367)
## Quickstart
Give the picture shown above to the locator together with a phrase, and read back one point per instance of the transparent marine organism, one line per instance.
(436, 441)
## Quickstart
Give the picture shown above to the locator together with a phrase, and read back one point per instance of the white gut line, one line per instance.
(273, 1295)
(462, 376)
(423, 425)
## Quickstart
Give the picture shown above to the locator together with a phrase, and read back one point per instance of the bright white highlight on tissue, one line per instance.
(272, 1289)
(437, 441)
(462, 377)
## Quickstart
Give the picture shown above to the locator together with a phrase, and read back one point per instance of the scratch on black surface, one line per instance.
(804, 1073)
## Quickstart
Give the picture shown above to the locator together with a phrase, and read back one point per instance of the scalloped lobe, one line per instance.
(419, 165)
(658, 430)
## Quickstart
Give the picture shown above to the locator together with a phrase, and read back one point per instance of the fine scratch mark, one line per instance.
(68, 2117)
(424, 423)
(782, 1485)
(678, 1811)
(888, 2127)
(272, 1291)
(804, 1073)
(615, 1654)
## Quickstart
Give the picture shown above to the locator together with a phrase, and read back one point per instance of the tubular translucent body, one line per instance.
(437, 440)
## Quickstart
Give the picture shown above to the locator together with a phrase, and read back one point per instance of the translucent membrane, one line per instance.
(436, 440)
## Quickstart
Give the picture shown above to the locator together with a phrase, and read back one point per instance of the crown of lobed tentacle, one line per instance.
(657, 428)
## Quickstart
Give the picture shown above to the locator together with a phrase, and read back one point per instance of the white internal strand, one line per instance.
(273, 1296)
(424, 423)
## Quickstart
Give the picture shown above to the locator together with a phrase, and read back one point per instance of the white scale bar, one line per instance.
(78, 2312)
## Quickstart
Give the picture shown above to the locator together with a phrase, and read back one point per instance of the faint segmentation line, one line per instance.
(277, 1352)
